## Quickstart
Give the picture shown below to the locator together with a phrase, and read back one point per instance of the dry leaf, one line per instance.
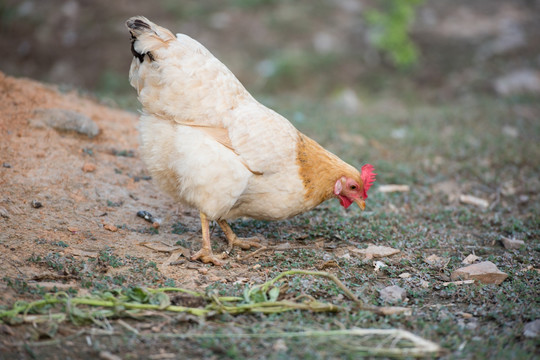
(175, 255)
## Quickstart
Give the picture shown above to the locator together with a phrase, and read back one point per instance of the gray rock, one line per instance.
(532, 329)
(65, 120)
(519, 81)
(392, 294)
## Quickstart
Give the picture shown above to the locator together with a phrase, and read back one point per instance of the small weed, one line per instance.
(60, 244)
(88, 151)
(124, 153)
(114, 204)
(178, 229)
(107, 258)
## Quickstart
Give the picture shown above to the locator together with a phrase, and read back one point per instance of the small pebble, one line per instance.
(203, 271)
(147, 216)
(6, 165)
(36, 204)
(110, 227)
(89, 167)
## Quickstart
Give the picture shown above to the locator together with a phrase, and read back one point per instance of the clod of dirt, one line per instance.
(89, 167)
(512, 244)
(110, 227)
(392, 294)
(485, 272)
(36, 204)
(65, 120)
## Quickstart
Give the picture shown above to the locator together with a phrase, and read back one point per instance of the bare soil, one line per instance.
(81, 207)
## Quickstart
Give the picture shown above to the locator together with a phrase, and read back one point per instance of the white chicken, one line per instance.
(208, 143)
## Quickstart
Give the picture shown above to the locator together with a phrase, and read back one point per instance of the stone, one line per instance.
(512, 244)
(65, 120)
(485, 272)
(532, 329)
(518, 81)
(392, 294)
(373, 251)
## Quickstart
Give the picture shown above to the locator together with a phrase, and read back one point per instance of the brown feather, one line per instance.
(320, 169)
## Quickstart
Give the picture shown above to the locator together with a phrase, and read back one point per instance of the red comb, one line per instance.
(368, 177)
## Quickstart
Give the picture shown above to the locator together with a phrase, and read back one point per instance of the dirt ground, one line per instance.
(68, 222)
(48, 166)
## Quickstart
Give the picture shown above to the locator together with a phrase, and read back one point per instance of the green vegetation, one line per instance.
(390, 30)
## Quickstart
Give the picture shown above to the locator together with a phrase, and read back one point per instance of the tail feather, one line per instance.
(147, 37)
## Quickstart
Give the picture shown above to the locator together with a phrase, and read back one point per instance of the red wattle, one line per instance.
(345, 201)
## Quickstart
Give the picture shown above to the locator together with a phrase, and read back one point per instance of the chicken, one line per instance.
(210, 145)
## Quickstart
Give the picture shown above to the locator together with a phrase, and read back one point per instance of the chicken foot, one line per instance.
(242, 243)
(205, 254)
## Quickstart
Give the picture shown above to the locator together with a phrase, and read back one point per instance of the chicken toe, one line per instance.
(242, 243)
(205, 254)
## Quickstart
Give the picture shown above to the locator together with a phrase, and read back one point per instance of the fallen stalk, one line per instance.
(257, 299)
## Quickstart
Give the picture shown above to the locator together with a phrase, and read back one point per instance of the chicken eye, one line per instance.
(353, 187)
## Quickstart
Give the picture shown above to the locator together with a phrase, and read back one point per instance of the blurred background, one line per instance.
(427, 90)
(347, 51)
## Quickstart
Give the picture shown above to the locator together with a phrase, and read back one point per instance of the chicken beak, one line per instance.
(361, 203)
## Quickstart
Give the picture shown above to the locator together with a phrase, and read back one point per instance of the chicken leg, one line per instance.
(205, 254)
(242, 243)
